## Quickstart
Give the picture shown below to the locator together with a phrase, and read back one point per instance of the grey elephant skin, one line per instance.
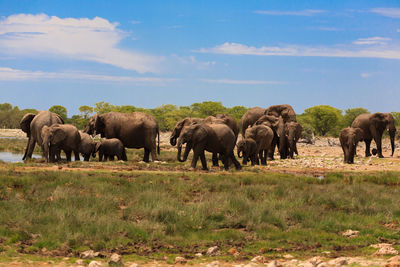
(373, 126)
(176, 132)
(110, 148)
(250, 117)
(32, 125)
(214, 138)
(59, 137)
(135, 130)
(284, 110)
(87, 146)
(349, 138)
(247, 149)
(263, 136)
(293, 132)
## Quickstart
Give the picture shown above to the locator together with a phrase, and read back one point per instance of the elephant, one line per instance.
(292, 134)
(110, 148)
(135, 130)
(60, 136)
(180, 125)
(32, 125)
(87, 146)
(284, 110)
(248, 148)
(349, 138)
(214, 138)
(263, 136)
(250, 117)
(373, 126)
(228, 120)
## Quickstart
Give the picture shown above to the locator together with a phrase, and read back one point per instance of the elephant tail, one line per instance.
(158, 145)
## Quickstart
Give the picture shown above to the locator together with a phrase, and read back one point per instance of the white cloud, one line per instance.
(240, 82)
(80, 39)
(306, 12)
(372, 41)
(9, 74)
(191, 60)
(306, 51)
(365, 75)
(387, 12)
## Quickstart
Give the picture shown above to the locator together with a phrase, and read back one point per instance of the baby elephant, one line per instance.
(248, 148)
(110, 148)
(349, 138)
(87, 146)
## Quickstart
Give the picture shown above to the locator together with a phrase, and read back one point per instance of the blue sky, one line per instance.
(252, 53)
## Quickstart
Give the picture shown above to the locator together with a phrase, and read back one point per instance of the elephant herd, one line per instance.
(263, 131)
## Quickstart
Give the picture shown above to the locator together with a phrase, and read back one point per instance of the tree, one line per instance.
(86, 111)
(103, 107)
(60, 110)
(350, 114)
(237, 112)
(208, 108)
(324, 119)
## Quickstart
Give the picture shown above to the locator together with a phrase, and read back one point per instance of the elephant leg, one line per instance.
(29, 148)
(76, 154)
(253, 159)
(378, 142)
(111, 157)
(345, 152)
(68, 154)
(146, 155)
(154, 154)
(86, 157)
(264, 157)
(272, 149)
(367, 148)
(244, 161)
(203, 161)
(215, 159)
(196, 154)
(235, 162)
(100, 156)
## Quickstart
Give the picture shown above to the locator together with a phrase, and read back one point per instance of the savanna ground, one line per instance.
(50, 213)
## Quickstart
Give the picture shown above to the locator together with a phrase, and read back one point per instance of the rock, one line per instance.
(306, 264)
(180, 260)
(393, 262)
(212, 251)
(385, 249)
(213, 264)
(88, 254)
(115, 260)
(273, 264)
(338, 262)
(79, 263)
(199, 255)
(315, 261)
(259, 259)
(288, 256)
(132, 265)
(350, 233)
(251, 264)
(95, 264)
(322, 264)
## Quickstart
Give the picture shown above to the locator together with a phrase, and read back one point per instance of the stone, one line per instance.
(95, 264)
(180, 260)
(79, 262)
(338, 262)
(212, 251)
(259, 259)
(315, 261)
(288, 256)
(198, 255)
(132, 265)
(115, 260)
(213, 264)
(273, 264)
(350, 233)
(88, 254)
(385, 249)
(393, 262)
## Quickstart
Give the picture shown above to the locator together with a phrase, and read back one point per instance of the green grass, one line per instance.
(186, 212)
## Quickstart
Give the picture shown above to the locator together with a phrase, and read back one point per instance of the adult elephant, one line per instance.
(135, 130)
(373, 126)
(176, 132)
(225, 119)
(284, 110)
(32, 125)
(263, 136)
(278, 127)
(292, 133)
(250, 117)
(214, 138)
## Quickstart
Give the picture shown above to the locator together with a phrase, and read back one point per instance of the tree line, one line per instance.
(322, 120)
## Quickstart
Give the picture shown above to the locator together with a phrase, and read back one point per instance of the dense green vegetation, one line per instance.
(186, 212)
(321, 120)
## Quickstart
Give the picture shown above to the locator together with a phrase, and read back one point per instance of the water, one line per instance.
(15, 157)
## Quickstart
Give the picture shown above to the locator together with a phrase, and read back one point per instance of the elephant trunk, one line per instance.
(239, 153)
(392, 134)
(172, 140)
(186, 153)
(46, 150)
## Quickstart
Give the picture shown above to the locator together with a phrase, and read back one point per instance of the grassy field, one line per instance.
(157, 213)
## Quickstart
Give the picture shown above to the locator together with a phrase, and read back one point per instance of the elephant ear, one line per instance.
(60, 118)
(379, 121)
(359, 134)
(99, 124)
(200, 132)
(58, 135)
(25, 123)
